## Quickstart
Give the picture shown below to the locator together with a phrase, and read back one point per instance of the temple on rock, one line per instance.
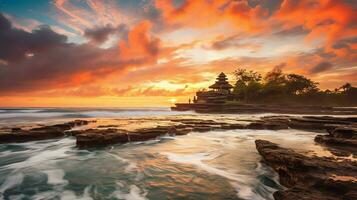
(219, 92)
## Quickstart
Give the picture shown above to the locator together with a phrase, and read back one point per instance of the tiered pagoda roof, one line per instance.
(221, 83)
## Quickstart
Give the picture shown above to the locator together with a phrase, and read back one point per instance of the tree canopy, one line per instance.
(278, 87)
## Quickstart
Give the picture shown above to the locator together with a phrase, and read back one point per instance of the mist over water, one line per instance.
(212, 165)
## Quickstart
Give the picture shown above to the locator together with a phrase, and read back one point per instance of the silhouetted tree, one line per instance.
(247, 84)
(275, 76)
(277, 87)
(346, 87)
(274, 83)
(244, 76)
(298, 84)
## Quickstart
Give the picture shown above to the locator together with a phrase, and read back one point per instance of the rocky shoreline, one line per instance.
(262, 108)
(310, 178)
(305, 177)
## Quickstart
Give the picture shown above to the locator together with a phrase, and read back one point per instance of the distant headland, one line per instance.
(276, 92)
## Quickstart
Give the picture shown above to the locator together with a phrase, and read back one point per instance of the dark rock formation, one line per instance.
(257, 108)
(275, 126)
(39, 133)
(256, 125)
(101, 137)
(342, 130)
(233, 126)
(309, 177)
(341, 141)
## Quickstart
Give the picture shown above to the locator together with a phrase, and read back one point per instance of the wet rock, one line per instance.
(194, 121)
(30, 135)
(180, 131)
(101, 137)
(202, 128)
(198, 122)
(108, 126)
(344, 132)
(341, 141)
(295, 124)
(178, 126)
(309, 177)
(79, 122)
(58, 127)
(256, 125)
(39, 133)
(279, 119)
(298, 193)
(331, 119)
(16, 129)
(233, 126)
(319, 122)
(149, 133)
(329, 140)
(275, 126)
(73, 132)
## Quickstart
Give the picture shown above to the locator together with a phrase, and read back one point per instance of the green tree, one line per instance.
(253, 91)
(298, 84)
(247, 84)
(244, 76)
(274, 83)
(275, 76)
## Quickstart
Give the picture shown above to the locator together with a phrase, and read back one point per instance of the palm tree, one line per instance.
(346, 87)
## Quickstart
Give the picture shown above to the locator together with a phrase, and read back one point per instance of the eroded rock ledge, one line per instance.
(309, 178)
(40, 133)
(341, 139)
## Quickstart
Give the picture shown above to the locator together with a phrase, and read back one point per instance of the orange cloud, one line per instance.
(54, 63)
(140, 44)
(203, 14)
(325, 18)
(185, 43)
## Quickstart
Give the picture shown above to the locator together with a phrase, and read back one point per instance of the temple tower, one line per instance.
(221, 84)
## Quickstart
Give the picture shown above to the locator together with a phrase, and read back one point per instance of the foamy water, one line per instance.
(212, 165)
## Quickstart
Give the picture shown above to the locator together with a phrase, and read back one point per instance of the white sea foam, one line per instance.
(46, 157)
(130, 164)
(43, 153)
(238, 181)
(12, 181)
(55, 177)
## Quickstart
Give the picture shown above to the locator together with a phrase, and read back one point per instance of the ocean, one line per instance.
(211, 165)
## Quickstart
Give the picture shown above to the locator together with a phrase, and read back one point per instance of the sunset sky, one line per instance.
(144, 53)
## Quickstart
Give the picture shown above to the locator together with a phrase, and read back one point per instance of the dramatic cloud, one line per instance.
(174, 47)
(297, 30)
(321, 67)
(16, 43)
(43, 59)
(99, 34)
(234, 42)
(140, 44)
